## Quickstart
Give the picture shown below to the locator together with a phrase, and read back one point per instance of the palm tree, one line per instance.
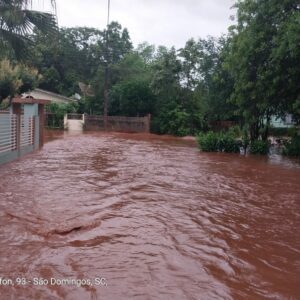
(17, 21)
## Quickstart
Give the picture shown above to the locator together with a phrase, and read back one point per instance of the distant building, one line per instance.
(285, 122)
(46, 95)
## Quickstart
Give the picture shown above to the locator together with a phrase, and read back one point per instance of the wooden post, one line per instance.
(16, 110)
(42, 121)
(148, 123)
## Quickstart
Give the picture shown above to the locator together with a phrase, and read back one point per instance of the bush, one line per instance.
(208, 142)
(57, 111)
(235, 131)
(278, 131)
(259, 147)
(174, 121)
(227, 143)
(218, 142)
(16, 79)
(291, 131)
(292, 148)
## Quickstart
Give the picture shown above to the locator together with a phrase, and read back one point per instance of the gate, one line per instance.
(19, 135)
(8, 133)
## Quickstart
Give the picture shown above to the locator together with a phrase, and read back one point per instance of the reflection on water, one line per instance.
(154, 216)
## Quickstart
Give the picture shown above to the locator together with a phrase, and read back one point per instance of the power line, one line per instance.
(105, 99)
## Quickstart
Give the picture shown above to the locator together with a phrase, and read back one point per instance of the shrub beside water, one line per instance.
(259, 147)
(218, 142)
(292, 148)
(208, 142)
(277, 132)
(225, 142)
(228, 143)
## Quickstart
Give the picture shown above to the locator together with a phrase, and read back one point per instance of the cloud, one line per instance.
(160, 22)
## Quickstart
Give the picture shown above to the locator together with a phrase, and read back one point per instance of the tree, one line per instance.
(166, 75)
(65, 59)
(17, 21)
(119, 45)
(16, 79)
(132, 98)
(190, 56)
(170, 115)
(146, 52)
(217, 83)
(264, 61)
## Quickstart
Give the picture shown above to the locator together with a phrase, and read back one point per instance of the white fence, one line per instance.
(8, 133)
(19, 134)
(27, 131)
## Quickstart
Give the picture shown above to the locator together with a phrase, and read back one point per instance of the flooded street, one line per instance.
(153, 216)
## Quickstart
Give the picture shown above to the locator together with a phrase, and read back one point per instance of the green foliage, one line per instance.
(246, 77)
(218, 142)
(132, 98)
(264, 60)
(61, 109)
(209, 141)
(292, 148)
(259, 147)
(278, 131)
(292, 131)
(77, 54)
(57, 112)
(235, 131)
(174, 121)
(16, 23)
(245, 139)
(146, 52)
(227, 143)
(51, 80)
(16, 79)
(283, 131)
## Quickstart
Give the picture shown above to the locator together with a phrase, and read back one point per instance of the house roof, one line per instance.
(54, 95)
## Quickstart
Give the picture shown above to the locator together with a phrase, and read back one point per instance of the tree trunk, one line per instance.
(265, 133)
(254, 131)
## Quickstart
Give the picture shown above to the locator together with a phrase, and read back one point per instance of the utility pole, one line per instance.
(106, 72)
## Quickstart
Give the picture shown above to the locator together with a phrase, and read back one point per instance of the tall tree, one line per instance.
(131, 94)
(217, 82)
(16, 79)
(17, 20)
(264, 60)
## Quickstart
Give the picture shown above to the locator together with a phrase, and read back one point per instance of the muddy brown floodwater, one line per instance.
(153, 216)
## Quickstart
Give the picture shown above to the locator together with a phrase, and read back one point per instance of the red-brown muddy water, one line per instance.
(153, 216)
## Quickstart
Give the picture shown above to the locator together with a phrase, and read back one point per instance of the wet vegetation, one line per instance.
(219, 142)
(245, 77)
(292, 147)
(259, 147)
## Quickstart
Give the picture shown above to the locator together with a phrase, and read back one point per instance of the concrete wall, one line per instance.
(74, 122)
(115, 123)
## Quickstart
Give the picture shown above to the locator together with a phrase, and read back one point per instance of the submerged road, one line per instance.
(120, 216)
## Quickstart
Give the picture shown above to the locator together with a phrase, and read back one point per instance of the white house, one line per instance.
(285, 122)
(46, 95)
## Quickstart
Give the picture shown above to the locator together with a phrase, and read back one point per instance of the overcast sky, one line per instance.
(159, 22)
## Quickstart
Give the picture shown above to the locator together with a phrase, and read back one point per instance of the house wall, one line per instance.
(287, 122)
(118, 123)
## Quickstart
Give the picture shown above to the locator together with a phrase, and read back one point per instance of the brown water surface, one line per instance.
(153, 216)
